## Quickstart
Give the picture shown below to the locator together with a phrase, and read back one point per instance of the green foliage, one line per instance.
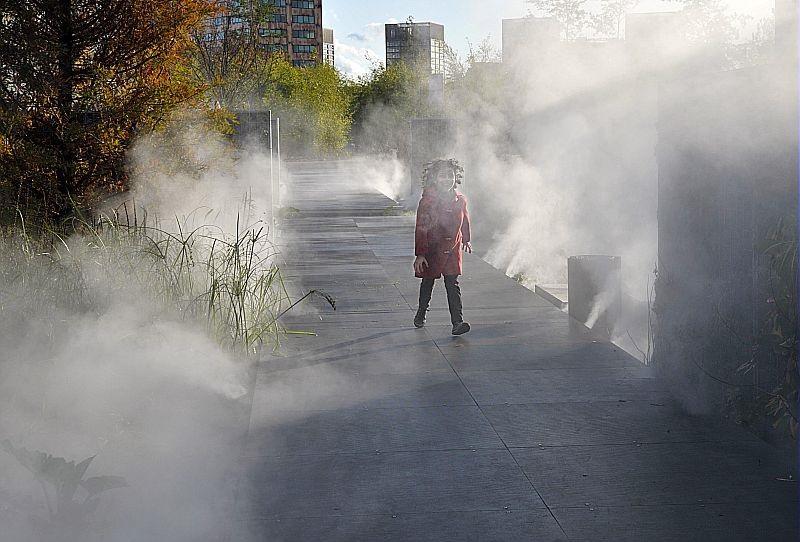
(313, 104)
(383, 101)
(771, 365)
(221, 121)
(396, 210)
(288, 212)
(69, 509)
(171, 149)
(774, 348)
(228, 282)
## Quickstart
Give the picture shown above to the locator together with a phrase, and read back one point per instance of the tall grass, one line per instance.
(229, 282)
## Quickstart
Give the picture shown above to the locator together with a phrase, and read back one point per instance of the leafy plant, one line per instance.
(228, 282)
(382, 101)
(70, 497)
(395, 210)
(772, 363)
(776, 344)
(288, 212)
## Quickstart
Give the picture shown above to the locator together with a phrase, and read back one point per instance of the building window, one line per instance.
(303, 4)
(272, 32)
(276, 48)
(217, 21)
(303, 19)
(437, 56)
(277, 3)
(304, 49)
(277, 17)
(299, 63)
(304, 34)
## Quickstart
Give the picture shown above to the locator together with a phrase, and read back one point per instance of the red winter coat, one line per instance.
(442, 227)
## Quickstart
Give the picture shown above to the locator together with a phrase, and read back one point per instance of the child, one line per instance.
(442, 231)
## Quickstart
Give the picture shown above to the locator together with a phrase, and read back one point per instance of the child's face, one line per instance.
(445, 179)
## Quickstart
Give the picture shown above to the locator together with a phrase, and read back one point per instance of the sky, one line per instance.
(358, 24)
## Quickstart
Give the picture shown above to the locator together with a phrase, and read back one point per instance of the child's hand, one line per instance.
(468, 247)
(420, 263)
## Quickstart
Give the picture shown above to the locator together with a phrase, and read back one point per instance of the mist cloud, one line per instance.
(98, 361)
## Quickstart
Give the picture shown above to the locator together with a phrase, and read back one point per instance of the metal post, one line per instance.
(278, 134)
(412, 163)
(271, 183)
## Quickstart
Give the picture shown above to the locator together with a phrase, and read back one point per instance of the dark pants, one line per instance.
(453, 297)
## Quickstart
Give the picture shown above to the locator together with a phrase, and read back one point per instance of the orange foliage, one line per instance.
(79, 80)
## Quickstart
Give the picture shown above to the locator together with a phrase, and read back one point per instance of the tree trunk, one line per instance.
(65, 89)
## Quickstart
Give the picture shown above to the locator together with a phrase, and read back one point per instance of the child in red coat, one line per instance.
(442, 232)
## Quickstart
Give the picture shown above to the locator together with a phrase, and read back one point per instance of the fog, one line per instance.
(97, 359)
(560, 144)
(561, 140)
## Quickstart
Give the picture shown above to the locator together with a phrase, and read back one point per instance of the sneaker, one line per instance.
(461, 328)
(419, 320)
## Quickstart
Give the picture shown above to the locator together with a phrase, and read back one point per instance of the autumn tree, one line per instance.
(230, 57)
(78, 80)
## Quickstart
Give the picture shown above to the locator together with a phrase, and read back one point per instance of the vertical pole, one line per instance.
(412, 163)
(278, 134)
(271, 182)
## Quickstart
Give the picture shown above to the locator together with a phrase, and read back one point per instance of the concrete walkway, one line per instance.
(523, 429)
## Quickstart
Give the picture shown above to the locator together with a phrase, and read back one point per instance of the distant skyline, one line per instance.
(358, 24)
